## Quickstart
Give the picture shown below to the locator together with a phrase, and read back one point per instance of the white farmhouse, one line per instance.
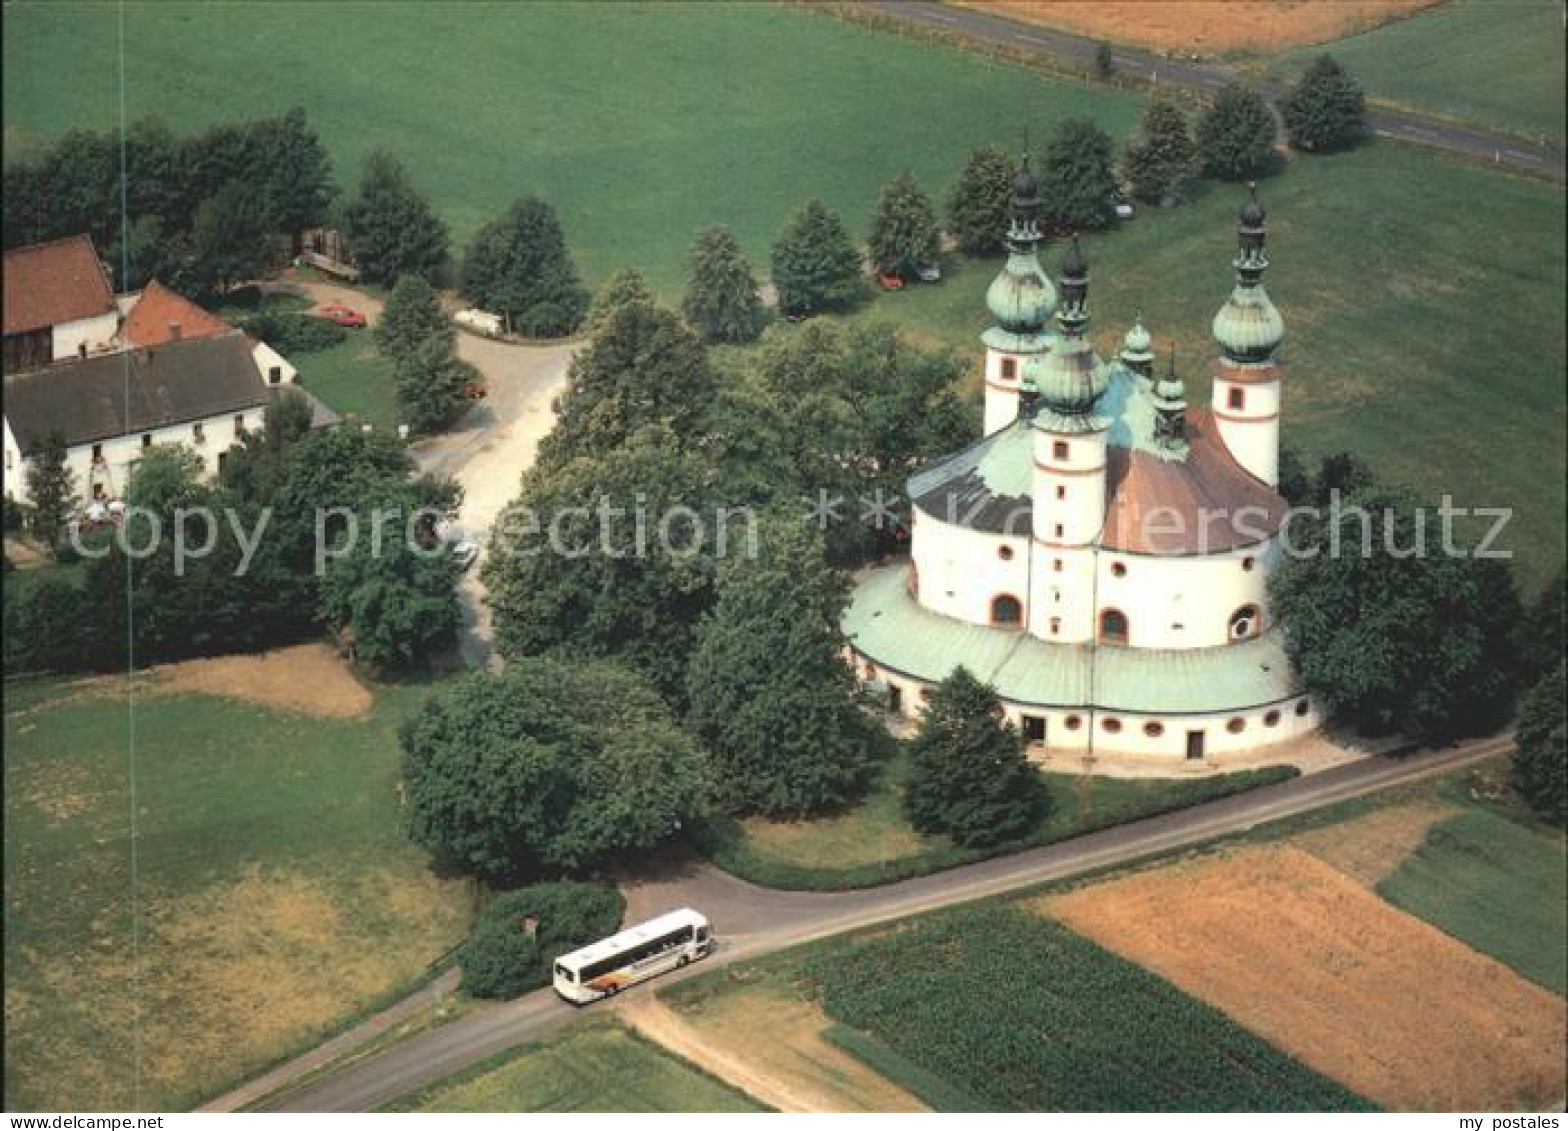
(1101, 555)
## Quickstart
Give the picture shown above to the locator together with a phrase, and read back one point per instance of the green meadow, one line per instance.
(273, 892)
(1497, 64)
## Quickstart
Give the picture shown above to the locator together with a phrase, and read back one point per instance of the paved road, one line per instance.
(1076, 51)
(753, 921)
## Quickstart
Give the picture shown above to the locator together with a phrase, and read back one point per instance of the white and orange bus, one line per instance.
(610, 965)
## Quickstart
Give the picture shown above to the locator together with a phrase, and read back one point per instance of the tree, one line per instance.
(721, 298)
(1295, 481)
(770, 694)
(1538, 645)
(517, 266)
(1390, 631)
(1326, 108)
(981, 206)
(298, 174)
(815, 266)
(1104, 61)
(391, 227)
(519, 934)
(904, 232)
(1236, 134)
(1540, 760)
(432, 384)
(645, 366)
(968, 776)
(622, 288)
(51, 486)
(1079, 181)
(1160, 158)
(613, 554)
(231, 239)
(552, 765)
(412, 316)
(390, 596)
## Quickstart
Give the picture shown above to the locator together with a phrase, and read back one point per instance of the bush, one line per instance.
(293, 333)
(502, 958)
(1540, 762)
(15, 516)
(546, 320)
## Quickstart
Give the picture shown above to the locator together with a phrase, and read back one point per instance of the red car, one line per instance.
(342, 315)
(890, 281)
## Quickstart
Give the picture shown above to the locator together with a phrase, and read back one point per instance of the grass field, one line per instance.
(599, 1066)
(873, 843)
(276, 894)
(353, 378)
(1491, 63)
(642, 124)
(1013, 1013)
(1494, 885)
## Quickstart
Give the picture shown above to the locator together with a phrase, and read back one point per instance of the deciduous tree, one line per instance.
(815, 266)
(770, 693)
(231, 239)
(1325, 109)
(1540, 761)
(51, 487)
(1236, 135)
(517, 266)
(980, 208)
(1079, 181)
(391, 226)
(1161, 157)
(968, 776)
(552, 765)
(721, 298)
(412, 316)
(904, 231)
(432, 384)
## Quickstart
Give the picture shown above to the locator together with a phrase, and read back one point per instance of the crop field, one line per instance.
(1028, 1016)
(874, 844)
(1494, 885)
(276, 894)
(1207, 27)
(1491, 63)
(1316, 963)
(599, 1066)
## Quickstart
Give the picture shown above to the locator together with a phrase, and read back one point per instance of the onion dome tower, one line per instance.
(1170, 413)
(1069, 487)
(1021, 300)
(1248, 330)
(1138, 351)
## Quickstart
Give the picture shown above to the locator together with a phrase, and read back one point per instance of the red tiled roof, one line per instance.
(50, 283)
(1206, 503)
(152, 320)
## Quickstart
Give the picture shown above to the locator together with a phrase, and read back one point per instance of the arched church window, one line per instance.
(1113, 627)
(1006, 610)
(1244, 622)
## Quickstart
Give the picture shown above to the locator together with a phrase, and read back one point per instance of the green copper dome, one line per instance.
(1021, 298)
(1248, 327)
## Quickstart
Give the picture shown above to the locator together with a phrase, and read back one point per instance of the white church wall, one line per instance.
(1185, 602)
(963, 571)
(1061, 604)
(1249, 430)
(1002, 374)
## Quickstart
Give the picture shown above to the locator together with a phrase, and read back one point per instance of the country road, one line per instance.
(1077, 52)
(753, 921)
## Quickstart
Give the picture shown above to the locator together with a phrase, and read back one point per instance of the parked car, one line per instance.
(464, 554)
(342, 315)
(890, 281)
(474, 390)
(929, 272)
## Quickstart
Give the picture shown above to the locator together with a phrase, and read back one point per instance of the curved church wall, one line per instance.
(1186, 602)
(962, 572)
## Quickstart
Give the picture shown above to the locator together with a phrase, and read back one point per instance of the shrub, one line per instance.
(502, 957)
(293, 333)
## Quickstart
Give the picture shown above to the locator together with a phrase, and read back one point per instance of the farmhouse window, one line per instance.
(98, 453)
(198, 433)
(275, 375)
(146, 439)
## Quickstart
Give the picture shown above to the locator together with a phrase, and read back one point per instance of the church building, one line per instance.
(1101, 555)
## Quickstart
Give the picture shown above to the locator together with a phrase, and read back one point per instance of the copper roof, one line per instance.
(1206, 503)
(159, 310)
(51, 283)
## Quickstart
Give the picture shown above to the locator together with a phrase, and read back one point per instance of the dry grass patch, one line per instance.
(1208, 26)
(1307, 957)
(770, 1044)
(1371, 848)
(311, 679)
